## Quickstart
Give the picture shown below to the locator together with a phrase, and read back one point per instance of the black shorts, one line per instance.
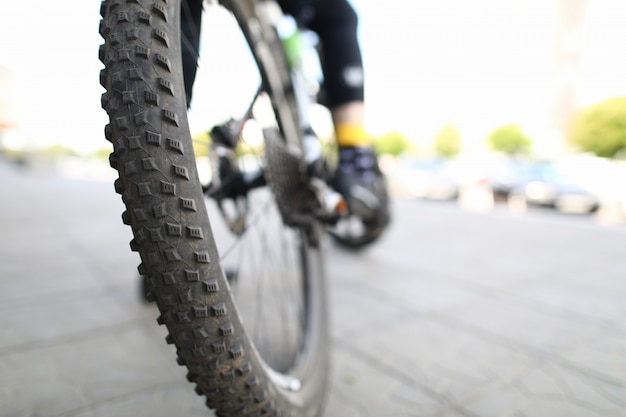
(335, 22)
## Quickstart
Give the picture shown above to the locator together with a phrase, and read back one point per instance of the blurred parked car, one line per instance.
(505, 177)
(542, 183)
(428, 178)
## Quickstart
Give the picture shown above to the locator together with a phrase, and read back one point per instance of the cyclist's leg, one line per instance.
(335, 21)
(358, 177)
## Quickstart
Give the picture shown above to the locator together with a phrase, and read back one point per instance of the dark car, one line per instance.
(543, 183)
(506, 176)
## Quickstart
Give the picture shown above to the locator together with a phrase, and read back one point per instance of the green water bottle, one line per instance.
(293, 41)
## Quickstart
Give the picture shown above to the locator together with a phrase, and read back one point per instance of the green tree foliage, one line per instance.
(601, 128)
(392, 143)
(510, 139)
(102, 153)
(448, 141)
(58, 150)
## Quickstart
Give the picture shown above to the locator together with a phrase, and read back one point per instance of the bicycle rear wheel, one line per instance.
(269, 277)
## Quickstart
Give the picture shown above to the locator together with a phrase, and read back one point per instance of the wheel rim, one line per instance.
(269, 274)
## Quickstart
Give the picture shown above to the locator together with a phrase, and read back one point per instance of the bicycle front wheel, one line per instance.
(248, 320)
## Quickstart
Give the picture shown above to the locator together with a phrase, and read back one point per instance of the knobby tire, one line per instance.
(166, 210)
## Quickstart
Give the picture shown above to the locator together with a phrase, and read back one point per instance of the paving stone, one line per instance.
(603, 356)
(585, 301)
(555, 383)
(92, 369)
(174, 399)
(452, 362)
(360, 388)
(552, 390)
(355, 310)
(525, 325)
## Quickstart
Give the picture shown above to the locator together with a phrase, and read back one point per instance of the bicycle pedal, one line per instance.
(332, 205)
(335, 205)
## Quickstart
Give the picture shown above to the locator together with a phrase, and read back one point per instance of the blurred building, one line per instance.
(8, 99)
(567, 62)
(8, 107)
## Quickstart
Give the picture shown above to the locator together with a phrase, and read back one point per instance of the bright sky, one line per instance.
(53, 53)
(477, 63)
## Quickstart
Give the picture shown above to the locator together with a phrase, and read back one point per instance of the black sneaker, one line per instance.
(359, 179)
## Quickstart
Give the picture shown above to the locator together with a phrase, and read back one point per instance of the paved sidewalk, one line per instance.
(453, 314)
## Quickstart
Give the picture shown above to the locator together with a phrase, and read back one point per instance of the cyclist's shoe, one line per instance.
(359, 179)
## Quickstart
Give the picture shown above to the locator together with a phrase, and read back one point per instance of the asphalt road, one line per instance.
(454, 313)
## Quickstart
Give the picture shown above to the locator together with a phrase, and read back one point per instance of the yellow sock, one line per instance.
(350, 134)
